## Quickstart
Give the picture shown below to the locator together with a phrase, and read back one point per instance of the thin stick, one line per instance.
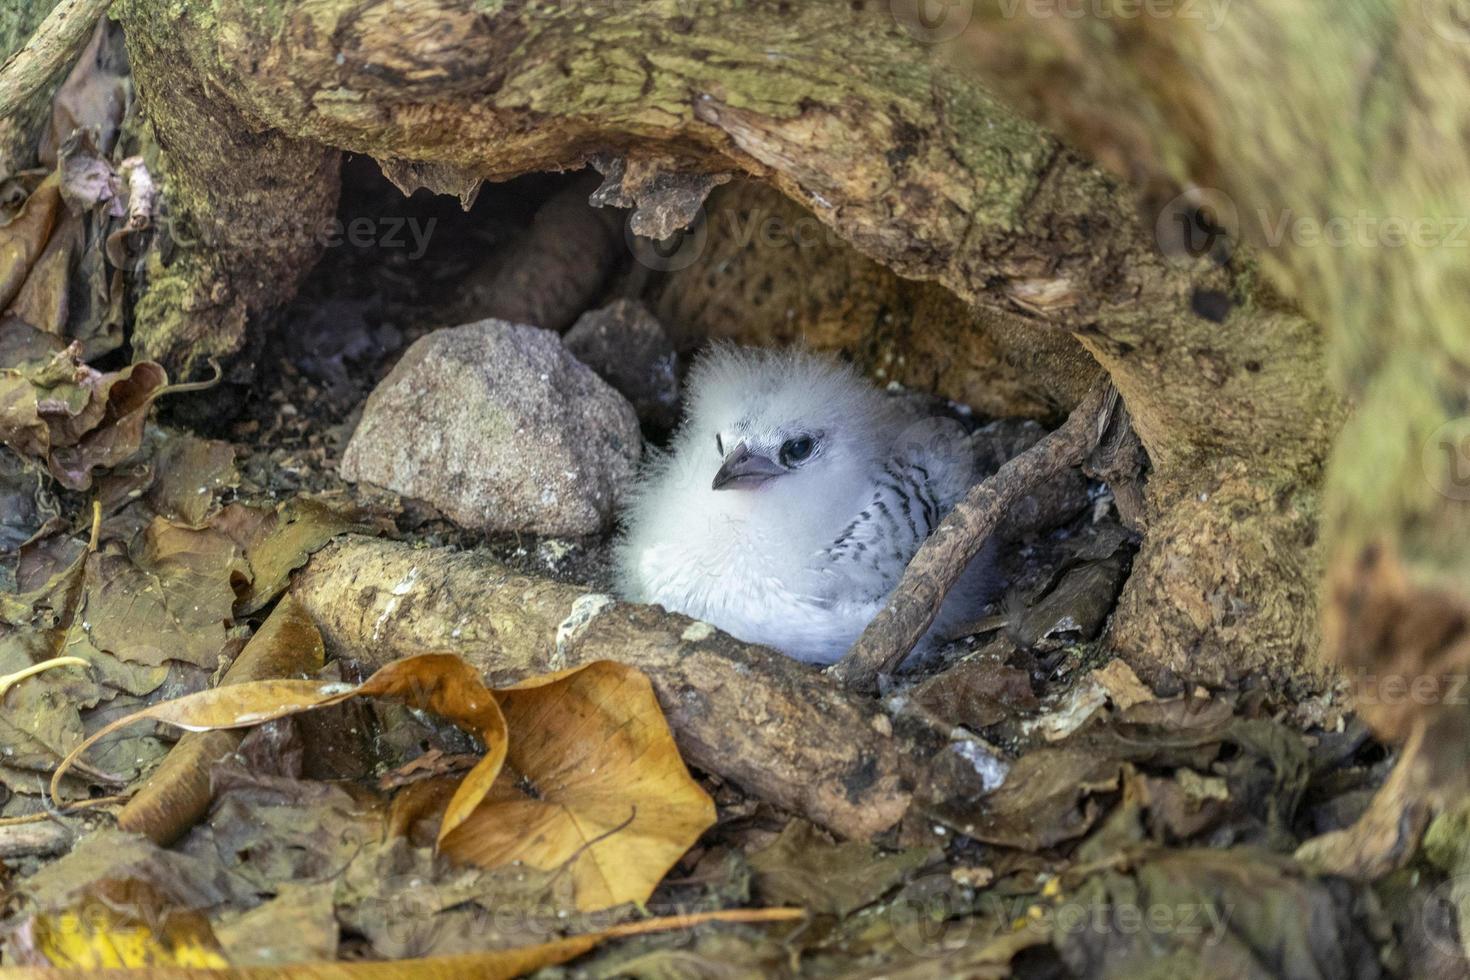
(51, 50)
(34, 840)
(10, 680)
(942, 558)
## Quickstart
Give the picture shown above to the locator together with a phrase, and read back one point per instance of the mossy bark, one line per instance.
(835, 105)
(1345, 165)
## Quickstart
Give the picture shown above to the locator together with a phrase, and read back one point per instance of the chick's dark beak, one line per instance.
(743, 469)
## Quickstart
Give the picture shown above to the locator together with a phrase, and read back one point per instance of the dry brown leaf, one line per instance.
(24, 238)
(74, 418)
(189, 471)
(802, 867)
(593, 781)
(277, 542)
(171, 602)
(121, 401)
(178, 793)
(440, 683)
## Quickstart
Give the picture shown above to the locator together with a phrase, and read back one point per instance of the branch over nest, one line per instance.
(942, 559)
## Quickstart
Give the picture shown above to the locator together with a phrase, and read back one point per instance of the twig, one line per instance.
(50, 51)
(38, 839)
(942, 558)
(10, 680)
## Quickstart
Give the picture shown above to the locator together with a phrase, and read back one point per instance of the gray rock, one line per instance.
(628, 347)
(501, 429)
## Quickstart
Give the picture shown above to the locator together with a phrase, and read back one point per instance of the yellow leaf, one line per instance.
(593, 782)
(132, 946)
(121, 925)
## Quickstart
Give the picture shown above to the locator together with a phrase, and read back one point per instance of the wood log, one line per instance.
(778, 728)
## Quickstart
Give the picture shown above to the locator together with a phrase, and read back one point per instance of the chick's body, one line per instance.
(790, 502)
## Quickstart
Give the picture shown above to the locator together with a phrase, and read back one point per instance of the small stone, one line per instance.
(629, 349)
(465, 422)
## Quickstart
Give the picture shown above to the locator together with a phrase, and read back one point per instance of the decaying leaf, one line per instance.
(28, 509)
(276, 543)
(1237, 912)
(178, 792)
(127, 924)
(299, 925)
(182, 880)
(593, 781)
(801, 868)
(116, 925)
(1047, 797)
(76, 419)
(188, 473)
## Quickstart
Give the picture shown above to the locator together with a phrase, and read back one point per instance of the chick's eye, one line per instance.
(719, 444)
(796, 450)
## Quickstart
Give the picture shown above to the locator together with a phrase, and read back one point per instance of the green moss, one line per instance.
(18, 20)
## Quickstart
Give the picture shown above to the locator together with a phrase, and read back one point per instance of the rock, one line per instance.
(501, 429)
(629, 349)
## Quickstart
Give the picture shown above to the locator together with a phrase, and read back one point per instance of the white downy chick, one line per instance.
(790, 502)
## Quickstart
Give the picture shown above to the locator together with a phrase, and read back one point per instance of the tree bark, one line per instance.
(847, 114)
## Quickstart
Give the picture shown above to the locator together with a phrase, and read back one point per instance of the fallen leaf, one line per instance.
(121, 402)
(976, 693)
(74, 418)
(298, 925)
(801, 868)
(94, 96)
(277, 542)
(24, 237)
(1238, 911)
(189, 472)
(174, 601)
(182, 879)
(28, 509)
(1047, 798)
(118, 925)
(178, 793)
(593, 781)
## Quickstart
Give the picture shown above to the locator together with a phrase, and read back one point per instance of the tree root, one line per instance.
(781, 731)
(942, 559)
